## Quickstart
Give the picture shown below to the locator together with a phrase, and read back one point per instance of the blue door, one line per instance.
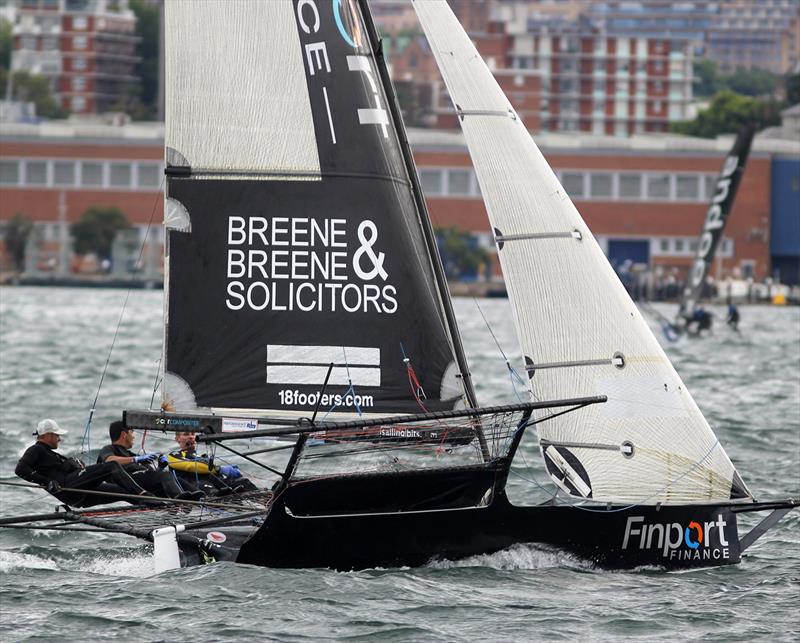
(625, 253)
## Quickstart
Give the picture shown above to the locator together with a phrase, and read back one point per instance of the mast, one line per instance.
(716, 217)
(430, 238)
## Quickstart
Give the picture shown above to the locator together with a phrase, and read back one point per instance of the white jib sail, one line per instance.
(576, 323)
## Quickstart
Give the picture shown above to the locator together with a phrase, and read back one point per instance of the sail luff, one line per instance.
(649, 443)
(719, 210)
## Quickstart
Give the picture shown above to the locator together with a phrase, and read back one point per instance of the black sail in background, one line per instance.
(294, 239)
(716, 217)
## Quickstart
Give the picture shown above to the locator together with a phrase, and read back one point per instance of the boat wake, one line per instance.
(522, 556)
(11, 561)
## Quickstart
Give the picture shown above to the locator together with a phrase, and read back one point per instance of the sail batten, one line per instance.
(570, 310)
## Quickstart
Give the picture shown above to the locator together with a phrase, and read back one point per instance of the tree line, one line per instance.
(94, 233)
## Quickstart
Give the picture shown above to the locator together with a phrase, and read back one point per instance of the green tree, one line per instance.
(17, 231)
(147, 28)
(707, 80)
(752, 82)
(461, 254)
(793, 89)
(727, 113)
(96, 229)
(5, 43)
(35, 89)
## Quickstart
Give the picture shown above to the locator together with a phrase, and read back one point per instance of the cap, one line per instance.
(49, 426)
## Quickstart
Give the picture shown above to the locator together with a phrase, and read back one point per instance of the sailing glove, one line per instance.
(145, 457)
(231, 471)
(53, 486)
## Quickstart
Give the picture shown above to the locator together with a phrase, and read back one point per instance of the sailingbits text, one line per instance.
(302, 264)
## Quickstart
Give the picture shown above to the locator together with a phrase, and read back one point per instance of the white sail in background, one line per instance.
(578, 329)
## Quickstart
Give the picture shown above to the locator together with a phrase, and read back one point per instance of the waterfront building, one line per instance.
(645, 197)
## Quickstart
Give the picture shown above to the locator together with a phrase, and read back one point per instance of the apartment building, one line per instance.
(756, 34)
(85, 48)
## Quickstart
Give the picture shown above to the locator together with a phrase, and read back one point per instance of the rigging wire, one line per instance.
(85, 442)
(514, 376)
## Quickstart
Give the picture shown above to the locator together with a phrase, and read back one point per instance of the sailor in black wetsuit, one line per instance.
(41, 464)
(143, 468)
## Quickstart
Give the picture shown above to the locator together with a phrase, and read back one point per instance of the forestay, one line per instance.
(294, 239)
(578, 329)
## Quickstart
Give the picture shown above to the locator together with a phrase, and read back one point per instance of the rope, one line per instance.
(513, 375)
(85, 443)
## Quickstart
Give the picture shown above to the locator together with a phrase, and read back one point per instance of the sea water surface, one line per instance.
(54, 345)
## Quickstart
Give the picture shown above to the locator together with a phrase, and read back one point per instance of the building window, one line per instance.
(91, 174)
(573, 183)
(663, 245)
(458, 182)
(679, 245)
(79, 42)
(600, 185)
(658, 186)
(64, 173)
(630, 186)
(120, 175)
(687, 187)
(9, 172)
(49, 43)
(36, 172)
(431, 181)
(79, 83)
(148, 175)
(79, 23)
(28, 42)
(78, 103)
(79, 63)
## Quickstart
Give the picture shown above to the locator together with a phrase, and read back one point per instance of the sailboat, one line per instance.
(305, 301)
(691, 318)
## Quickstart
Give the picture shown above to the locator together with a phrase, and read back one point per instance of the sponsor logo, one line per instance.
(216, 537)
(401, 433)
(178, 422)
(676, 541)
(294, 397)
(715, 220)
(318, 61)
(304, 264)
(236, 424)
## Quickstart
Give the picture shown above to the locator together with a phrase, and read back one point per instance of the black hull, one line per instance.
(656, 537)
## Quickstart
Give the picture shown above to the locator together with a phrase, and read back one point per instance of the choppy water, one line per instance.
(53, 345)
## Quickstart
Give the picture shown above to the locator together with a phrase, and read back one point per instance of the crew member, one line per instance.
(143, 468)
(733, 317)
(41, 464)
(201, 471)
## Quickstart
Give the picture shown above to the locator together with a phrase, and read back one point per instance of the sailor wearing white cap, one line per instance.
(43, 465)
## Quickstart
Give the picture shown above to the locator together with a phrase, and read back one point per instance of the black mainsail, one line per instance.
(716, 217)
(295, 236)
